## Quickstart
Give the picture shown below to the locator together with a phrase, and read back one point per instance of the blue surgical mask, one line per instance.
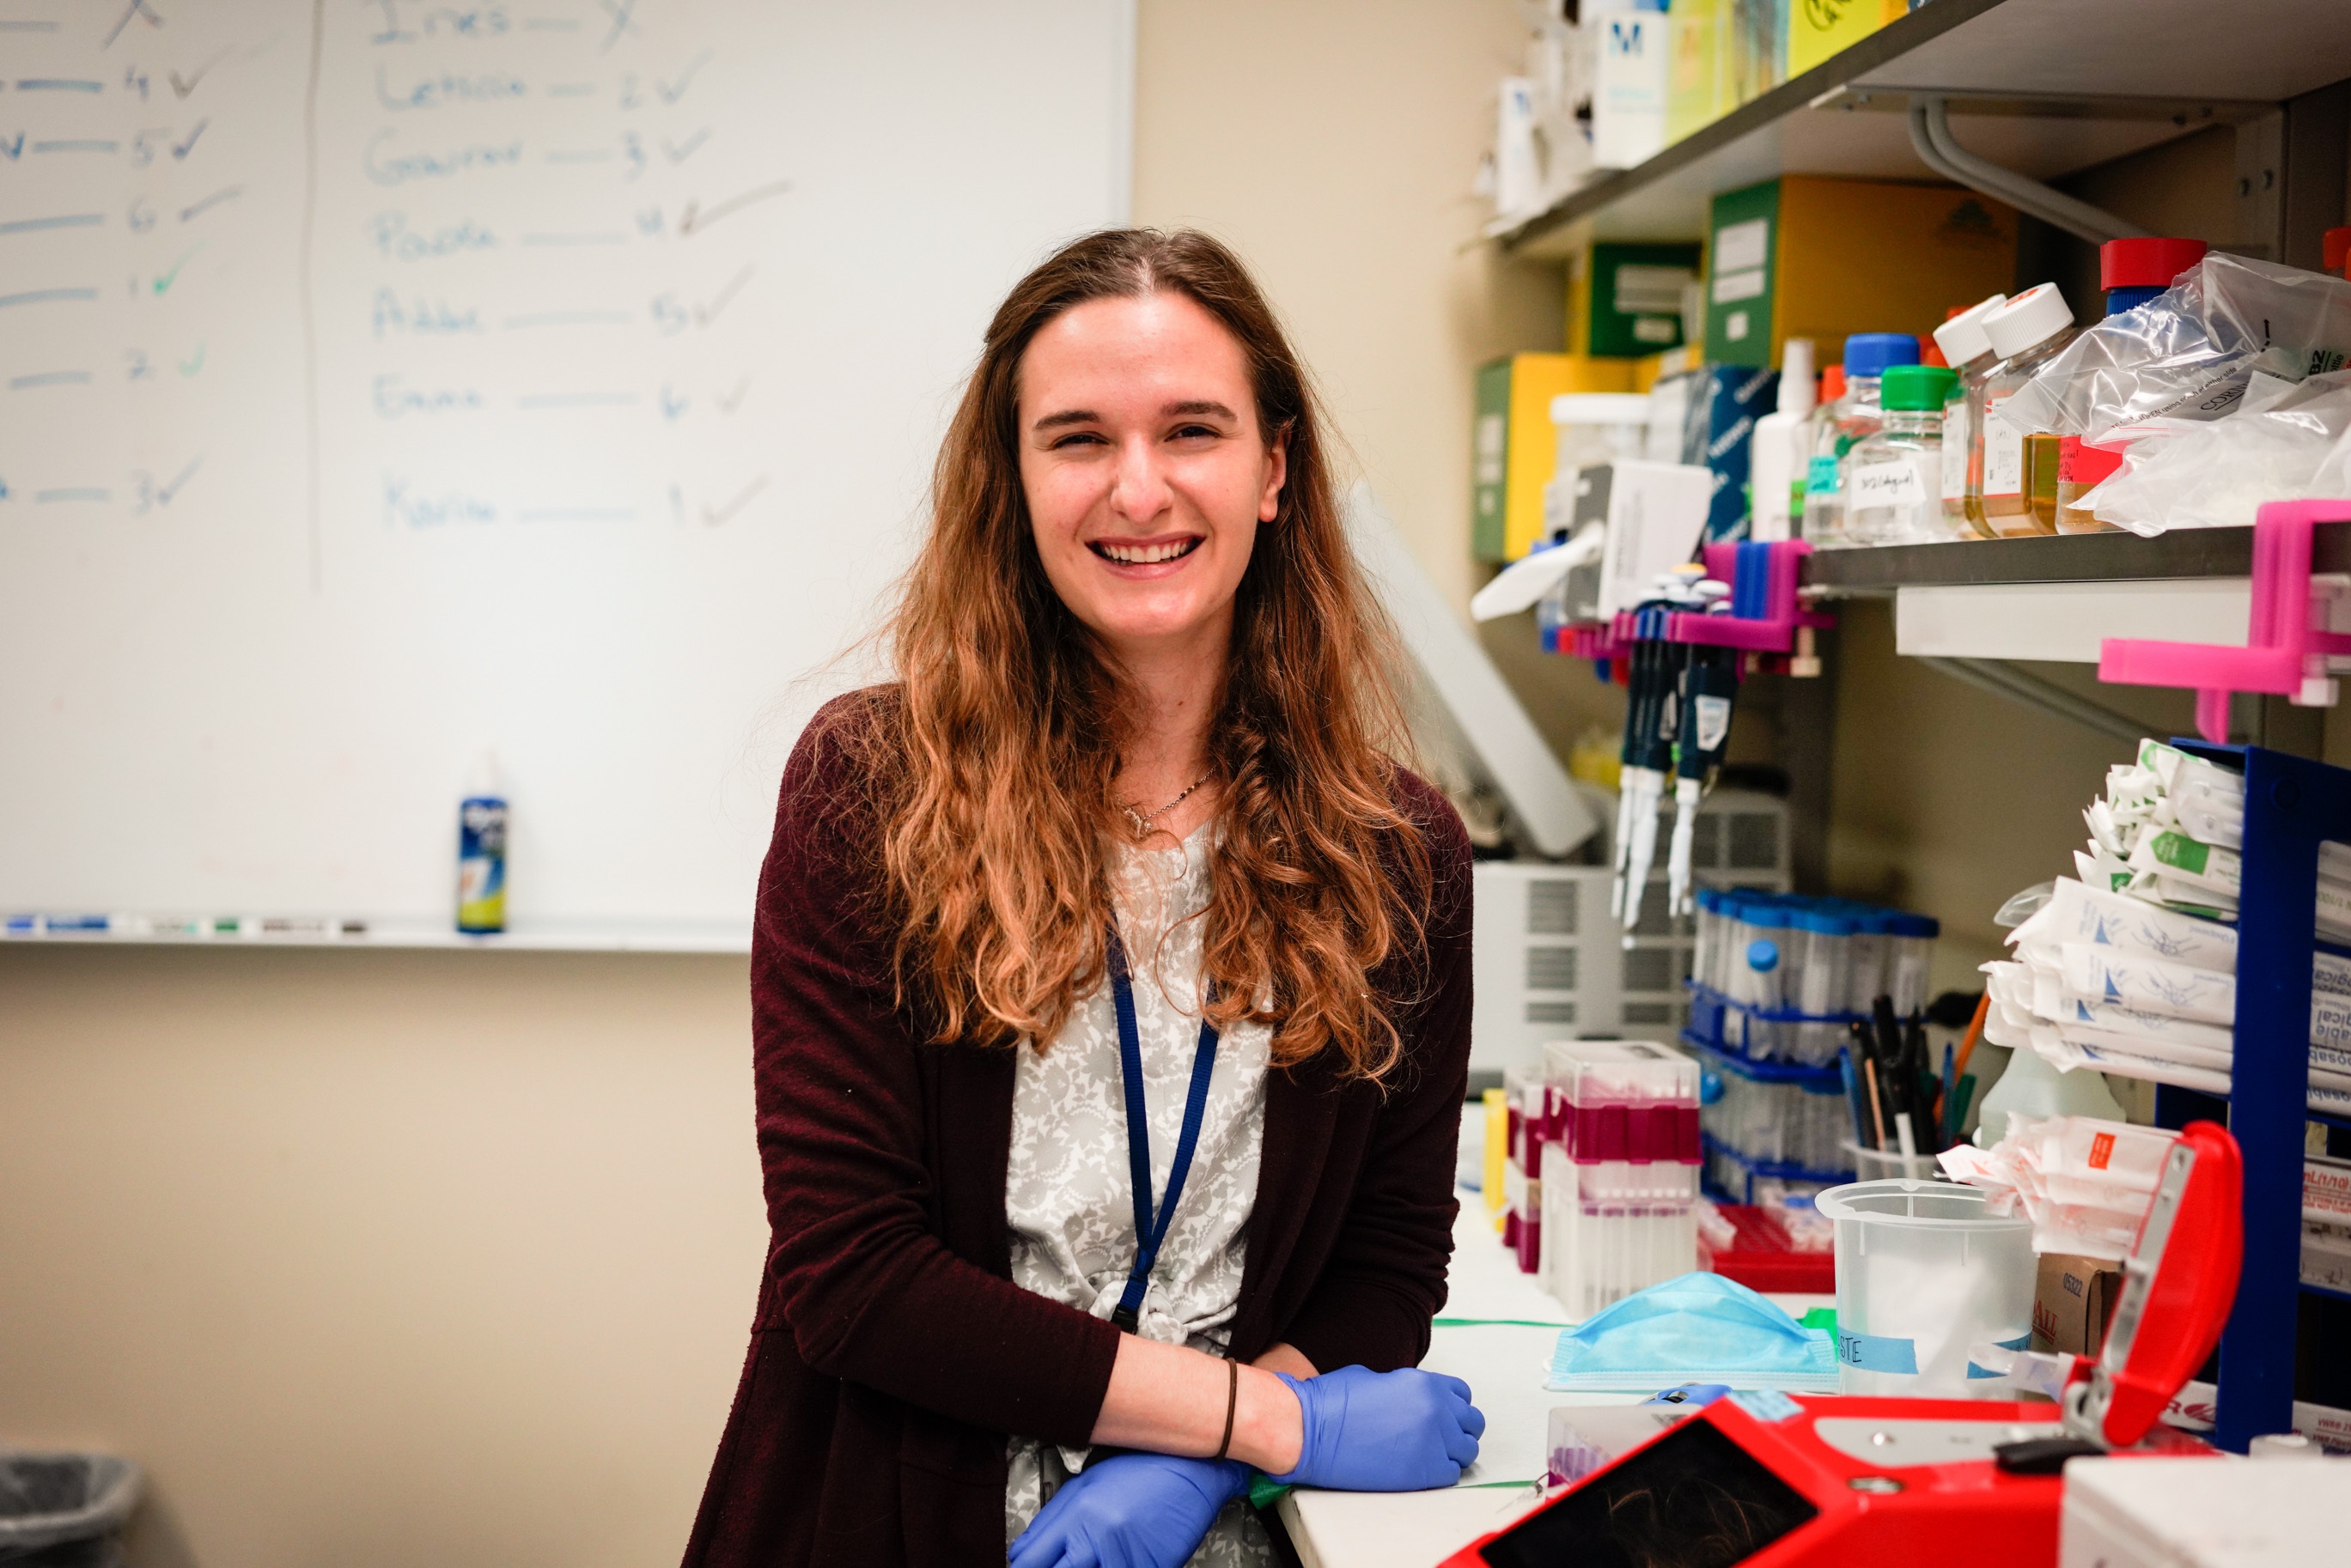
(1699, 1327)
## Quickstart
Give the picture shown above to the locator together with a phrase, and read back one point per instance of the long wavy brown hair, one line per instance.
(997, 794)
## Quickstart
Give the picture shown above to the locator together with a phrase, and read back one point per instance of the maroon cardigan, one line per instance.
(892, 1353)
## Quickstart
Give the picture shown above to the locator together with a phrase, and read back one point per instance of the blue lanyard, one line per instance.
(1149, 1232)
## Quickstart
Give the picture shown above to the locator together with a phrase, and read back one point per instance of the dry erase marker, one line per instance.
(313, 928)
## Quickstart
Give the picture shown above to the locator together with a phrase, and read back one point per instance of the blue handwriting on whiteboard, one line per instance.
(432, 92)
(392, 399)
(390, 169)
(401, 506)
(422, 316)
(442, 21)
(395, 241)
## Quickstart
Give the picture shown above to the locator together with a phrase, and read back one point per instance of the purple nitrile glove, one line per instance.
(1407, 1430)
(1131, 1511)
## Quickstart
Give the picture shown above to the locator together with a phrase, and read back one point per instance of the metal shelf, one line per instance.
(2045, 87)
(2181, 555)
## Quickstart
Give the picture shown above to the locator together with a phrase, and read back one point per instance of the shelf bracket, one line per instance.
(2010, 684)
(2285, 655)
(1931, 138)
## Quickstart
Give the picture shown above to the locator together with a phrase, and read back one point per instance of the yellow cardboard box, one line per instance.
(1819, 28)
(1804, 257)
(1514, 443)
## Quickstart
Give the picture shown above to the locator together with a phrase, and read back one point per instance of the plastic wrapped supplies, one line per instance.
(2132, 970)
(2189, 354)
(2177, 474)
(2221, 393)
(2085, 1183)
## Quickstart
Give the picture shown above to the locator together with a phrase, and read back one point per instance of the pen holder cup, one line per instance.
(1923, 1271)
(1889, 1165)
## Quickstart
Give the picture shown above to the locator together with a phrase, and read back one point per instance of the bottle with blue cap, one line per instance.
(1858, 413)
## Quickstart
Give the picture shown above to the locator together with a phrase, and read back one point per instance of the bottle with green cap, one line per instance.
(1894, 494)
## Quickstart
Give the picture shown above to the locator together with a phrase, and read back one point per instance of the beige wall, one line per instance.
(1334, 145)
(389, 1259)
(379, 1258)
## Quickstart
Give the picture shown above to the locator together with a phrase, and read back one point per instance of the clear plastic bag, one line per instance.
(2189, 354)
(2216, 475)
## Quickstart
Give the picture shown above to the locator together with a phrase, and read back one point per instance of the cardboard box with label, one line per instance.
(2072, 1300)
(1514, 446)
(1820, 28)
(1802, 257)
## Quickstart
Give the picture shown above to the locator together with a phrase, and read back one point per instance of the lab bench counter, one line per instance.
(1496, 1332)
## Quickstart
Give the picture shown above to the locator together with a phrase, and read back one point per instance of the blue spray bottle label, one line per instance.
(481, 864)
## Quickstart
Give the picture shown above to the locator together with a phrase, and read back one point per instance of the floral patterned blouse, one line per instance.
(1067, 1192)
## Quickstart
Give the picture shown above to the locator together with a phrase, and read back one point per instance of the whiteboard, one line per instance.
(385, 381)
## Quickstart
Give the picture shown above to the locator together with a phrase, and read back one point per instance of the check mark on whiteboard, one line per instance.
(713, 517)
(172, 489)
(672, 91)
(680, 154)
(734, 399)
(694, 220)
(164, 282)
(183, 85)
(181, 149)
(703, 315)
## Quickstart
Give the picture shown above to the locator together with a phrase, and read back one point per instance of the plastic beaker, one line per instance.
(1923, 1271)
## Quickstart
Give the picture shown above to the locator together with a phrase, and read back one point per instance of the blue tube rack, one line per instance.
(2292, 805)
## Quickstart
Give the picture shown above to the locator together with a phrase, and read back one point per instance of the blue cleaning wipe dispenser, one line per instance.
(1699, 1327)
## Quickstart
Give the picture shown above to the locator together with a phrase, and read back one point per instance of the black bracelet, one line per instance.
(1232, 1403)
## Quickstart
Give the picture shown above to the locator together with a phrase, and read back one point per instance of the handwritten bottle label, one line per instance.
(1820, 476)
(1886, 484)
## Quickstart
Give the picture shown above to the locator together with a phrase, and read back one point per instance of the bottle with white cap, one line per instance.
(2015, 493)
(1776, 479)
(1968, 351)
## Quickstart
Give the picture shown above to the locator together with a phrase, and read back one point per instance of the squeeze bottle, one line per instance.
(1968, 352)
(1776, 480)
(2132, 272)
(2017, 492)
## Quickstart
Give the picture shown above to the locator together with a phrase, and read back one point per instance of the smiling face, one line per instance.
(1145, 472)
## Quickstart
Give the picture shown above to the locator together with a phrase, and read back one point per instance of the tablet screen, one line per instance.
(1693, 1499)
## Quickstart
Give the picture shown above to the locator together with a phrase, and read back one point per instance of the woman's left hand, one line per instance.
(1131, 1511)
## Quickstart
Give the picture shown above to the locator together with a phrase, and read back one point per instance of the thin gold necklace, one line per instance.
(1142, 823)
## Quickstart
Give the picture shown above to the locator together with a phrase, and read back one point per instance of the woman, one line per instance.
(1118, 853)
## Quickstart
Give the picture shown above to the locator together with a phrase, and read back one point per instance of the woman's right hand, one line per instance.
(1407, 1430)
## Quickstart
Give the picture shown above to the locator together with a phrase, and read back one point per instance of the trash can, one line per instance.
(64, 1511)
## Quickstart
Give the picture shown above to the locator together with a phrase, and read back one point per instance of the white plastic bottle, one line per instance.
(2032, 1088)
(1780, 445)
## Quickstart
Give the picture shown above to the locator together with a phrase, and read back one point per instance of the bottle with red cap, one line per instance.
(2336, 246)
(2132, 272)
(2015, 493)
